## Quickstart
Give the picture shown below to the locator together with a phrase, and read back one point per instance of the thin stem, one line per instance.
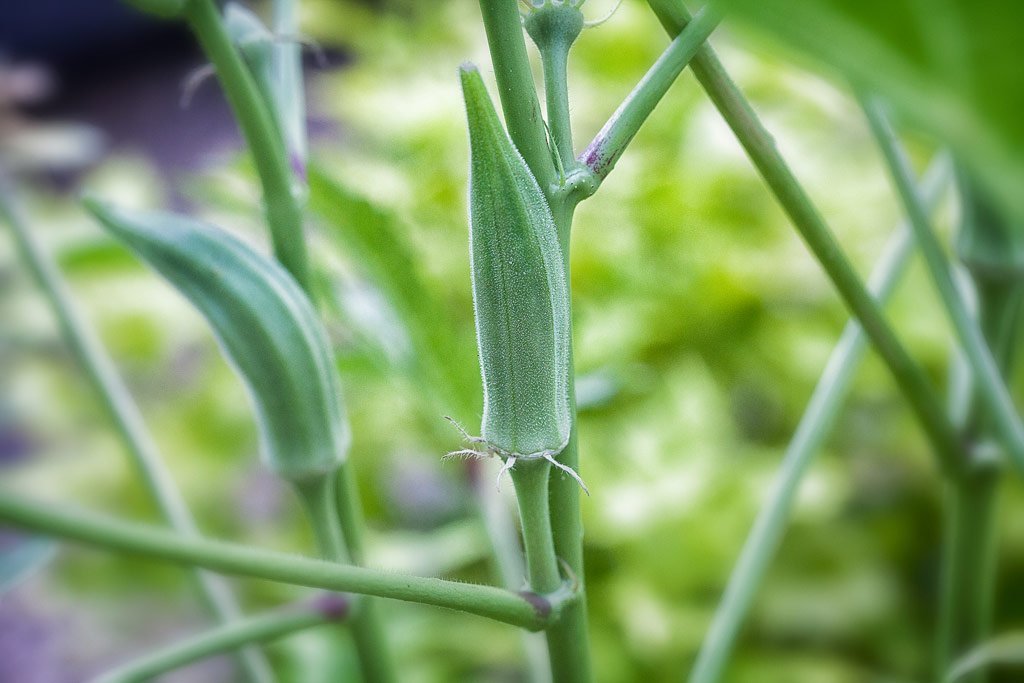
(760, 147)
(531, 481)
(288, 68)
(818, 418)
(281, 207)
(991, 387)
(317, 497)
(263, 628)
(507, 564)
(516, 88)
(609, 144)
(116, 400)
(556, 90)
(525, 610)
(339, 502)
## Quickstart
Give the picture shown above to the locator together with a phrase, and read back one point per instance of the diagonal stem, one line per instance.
(760, 147)
(609, 144)
(281, 207)
(116, 400)
(989, 381)
(770, 525)
(263, 628)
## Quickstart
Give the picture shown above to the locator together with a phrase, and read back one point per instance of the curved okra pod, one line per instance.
(266, 326)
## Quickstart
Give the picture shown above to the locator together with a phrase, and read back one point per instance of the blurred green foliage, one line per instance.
(701, 325)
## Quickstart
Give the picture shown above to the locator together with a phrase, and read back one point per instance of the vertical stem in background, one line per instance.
(280, 206)
(99, 368)
(968, 572)
(288, 77)
(320, 497)
(971, 532)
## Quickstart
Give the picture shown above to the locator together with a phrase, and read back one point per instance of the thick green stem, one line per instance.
(516, 88)
(991, 386)
(281, 207)
(609, 144)
(770, 525)
(264, 628)
(525, 610)
(531, 481)
(760, 147)
(116, 400)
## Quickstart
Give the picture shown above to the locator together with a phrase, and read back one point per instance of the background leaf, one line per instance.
(950, 67)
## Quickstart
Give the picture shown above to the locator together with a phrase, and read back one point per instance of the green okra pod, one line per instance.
(266, 326)
(520, 292)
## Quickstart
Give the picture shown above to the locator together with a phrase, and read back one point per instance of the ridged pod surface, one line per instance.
(520, 293)
(266, 326)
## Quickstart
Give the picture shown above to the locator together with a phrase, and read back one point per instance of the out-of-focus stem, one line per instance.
(116, 400)
(917, 390)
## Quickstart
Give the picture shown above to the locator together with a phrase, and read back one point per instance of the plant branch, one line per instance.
(116, 400)
(609, 144)
(818, 418)
(988, 379)
(281, 207)
(760, 147)
(516, 88)
(531, 482)
(368, 630)
(263, 628)
(525, 610)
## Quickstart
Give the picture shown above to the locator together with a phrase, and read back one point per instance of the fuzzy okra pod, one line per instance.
(520, 294)
(266, 326)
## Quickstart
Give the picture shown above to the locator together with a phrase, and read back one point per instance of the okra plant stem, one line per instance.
(367, 626)
(532, 612)
(760, 147)
(531, 482)
(516, 88)
(970, 541)
(117, 401)
(989, 381)
(281, 207)
(263, 628)
(817, 420)
(609, 144)
(568, 639)
(321, 502)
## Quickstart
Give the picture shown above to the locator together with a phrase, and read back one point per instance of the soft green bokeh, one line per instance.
(701, 325)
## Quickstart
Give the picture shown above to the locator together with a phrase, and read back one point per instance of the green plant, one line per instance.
(526, 182)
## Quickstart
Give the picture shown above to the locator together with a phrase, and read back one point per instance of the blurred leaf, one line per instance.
(950, 67)
(1007, 649)
(376, 241)
(23, 556)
